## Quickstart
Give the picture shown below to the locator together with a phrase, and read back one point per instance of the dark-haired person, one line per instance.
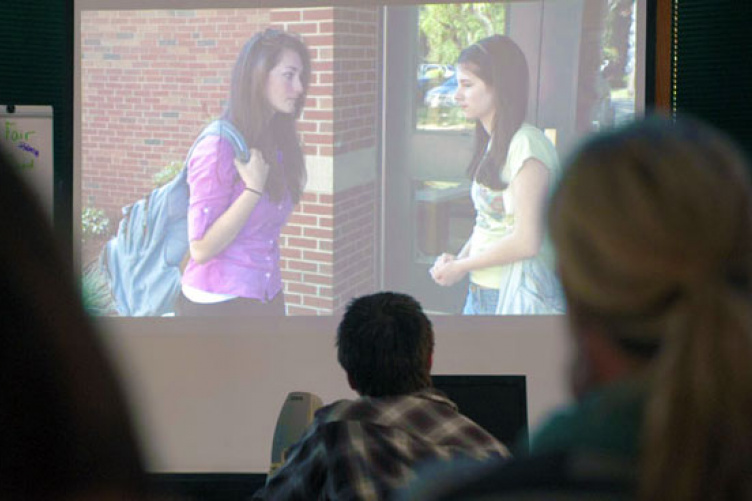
(367, 448)
(237, 210)
(659, 305)
(65, 430)
(513, 168)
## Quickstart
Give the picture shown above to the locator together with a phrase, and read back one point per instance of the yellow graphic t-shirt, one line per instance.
(495, 208)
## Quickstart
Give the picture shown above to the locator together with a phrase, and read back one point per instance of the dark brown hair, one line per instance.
(249, 110)
(384, 343)
(502, 66)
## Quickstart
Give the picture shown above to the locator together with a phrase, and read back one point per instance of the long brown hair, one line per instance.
(653, 230)
(249, 110)
(501, 65)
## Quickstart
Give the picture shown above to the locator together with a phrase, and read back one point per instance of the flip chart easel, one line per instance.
(26, 135)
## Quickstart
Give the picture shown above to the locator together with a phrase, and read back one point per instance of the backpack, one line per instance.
(142, 262)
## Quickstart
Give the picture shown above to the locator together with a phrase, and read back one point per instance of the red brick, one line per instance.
(302, 266)
(309, 208)
(320, 40)
(304, 28)
(322, 139)
(302, 288)
(318, 233)
(322, 65)
(287, 15)
(318, 115)
(304, 126)
(318, 279)
(319, 90)
(293, 299)
(318, 302)
(318, 14)
(317, 256)
(291, 276)
(301, 219)
(286, 252)
(306, 243)
(299, 311)
(292, 230)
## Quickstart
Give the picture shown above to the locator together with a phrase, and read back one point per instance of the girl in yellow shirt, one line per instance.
(513, 169)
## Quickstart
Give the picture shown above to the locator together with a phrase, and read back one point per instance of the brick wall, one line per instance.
(331, 241)
(355, 243)
(152, 80)
(317, 28)
(356, 130)
(308, 257)
(356, 81)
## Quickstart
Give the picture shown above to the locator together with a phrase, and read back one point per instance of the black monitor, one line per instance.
(498, 403)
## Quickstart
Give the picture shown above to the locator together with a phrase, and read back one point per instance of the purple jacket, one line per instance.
(249, 266)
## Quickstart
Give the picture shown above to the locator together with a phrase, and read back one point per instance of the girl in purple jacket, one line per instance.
(237, 209)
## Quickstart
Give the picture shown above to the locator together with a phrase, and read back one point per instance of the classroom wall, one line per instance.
(36, 67)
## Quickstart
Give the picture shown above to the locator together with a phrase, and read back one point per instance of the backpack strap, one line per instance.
(226, 130)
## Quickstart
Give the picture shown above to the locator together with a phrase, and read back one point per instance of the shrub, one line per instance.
(94, 223)
(95, 292)
(168, 172)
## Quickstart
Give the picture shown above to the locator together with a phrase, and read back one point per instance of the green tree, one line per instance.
(446, 29)
(616, 41)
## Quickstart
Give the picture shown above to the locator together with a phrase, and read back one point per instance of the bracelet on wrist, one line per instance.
(253, 190)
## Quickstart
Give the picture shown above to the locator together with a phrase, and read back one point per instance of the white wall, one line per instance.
(207, 395)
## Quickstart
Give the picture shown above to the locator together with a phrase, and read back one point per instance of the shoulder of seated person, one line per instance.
(361, 408)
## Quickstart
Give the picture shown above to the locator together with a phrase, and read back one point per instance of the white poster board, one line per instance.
(26, 135)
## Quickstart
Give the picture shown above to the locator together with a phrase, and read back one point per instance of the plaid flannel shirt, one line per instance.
(364, 449)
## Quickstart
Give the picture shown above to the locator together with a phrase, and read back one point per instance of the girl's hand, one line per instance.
(447, 270)
(254, 172)
(448, 273)
(438, 264)
(443, 259)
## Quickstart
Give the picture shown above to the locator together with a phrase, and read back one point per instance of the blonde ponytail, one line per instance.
(697, 432)
(653, 231)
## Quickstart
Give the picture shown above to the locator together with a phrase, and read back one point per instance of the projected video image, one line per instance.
(281, 161)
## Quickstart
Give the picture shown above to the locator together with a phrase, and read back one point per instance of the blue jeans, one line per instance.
(480, 301)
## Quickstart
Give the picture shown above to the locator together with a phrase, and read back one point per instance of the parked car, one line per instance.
(442, 95)
(430, 74)
(435, 70)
